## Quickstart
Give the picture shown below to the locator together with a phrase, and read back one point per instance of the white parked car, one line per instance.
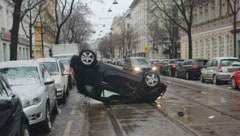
(60, 76)
(35, 87)
(66, 63)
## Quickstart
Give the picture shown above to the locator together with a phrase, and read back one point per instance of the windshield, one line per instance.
(51, 67)
(21, 75)
(228, 62)
(65, 63)
(139, 61)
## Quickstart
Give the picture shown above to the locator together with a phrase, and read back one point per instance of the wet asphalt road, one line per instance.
(187, 108)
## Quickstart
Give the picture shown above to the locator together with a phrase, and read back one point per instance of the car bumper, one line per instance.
(36, 113)
(223, 77)
(60, 93)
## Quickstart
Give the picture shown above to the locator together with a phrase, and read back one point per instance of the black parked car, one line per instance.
(110, 84)
(190, 68)
(170, 66)
(13, 121)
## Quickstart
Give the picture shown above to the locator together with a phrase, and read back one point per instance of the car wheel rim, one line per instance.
(48, 118)
(26, 132)
(87, 58)
(151, 80)
(233, 83)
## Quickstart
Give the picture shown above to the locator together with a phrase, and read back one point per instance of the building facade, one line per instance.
(212, 31)
(23, 50)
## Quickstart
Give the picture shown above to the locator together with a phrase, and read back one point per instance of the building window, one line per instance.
(205, 48)
(211, 47)
(219, 46)
(226, 45)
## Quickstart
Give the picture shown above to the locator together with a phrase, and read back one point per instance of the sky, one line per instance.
(101, 16)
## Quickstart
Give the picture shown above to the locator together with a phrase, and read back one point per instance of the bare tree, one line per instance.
(234, 9)
(62, 12)
(18, 15)
(184, 21)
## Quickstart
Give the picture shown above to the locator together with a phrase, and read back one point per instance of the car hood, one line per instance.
(27, 92)
(57, 78)
(142, 66)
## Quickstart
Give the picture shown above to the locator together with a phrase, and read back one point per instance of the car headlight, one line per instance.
(154, 68)
(59, 86)
(32, 101)
(137, 69)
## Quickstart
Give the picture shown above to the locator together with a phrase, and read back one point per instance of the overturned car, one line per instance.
(109, 84)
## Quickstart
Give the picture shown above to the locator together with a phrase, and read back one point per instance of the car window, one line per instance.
(199, 62)
(139, 61)
(228, 62)
(61, 67)
(44, 73)
(21, 75)
(214, 63)
(65, 64)
(51, 67)
(3, 92)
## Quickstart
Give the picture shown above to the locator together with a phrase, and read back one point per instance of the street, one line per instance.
(189, 107)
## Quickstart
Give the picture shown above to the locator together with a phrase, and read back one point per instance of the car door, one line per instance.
(10, 118)
(64, 77)
(50, 89)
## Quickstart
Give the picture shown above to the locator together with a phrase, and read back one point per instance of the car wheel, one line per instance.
(233, 83)
(215, 81)
(176, 74)
(187, 75)
(25, 130)
(63, 99)
(56, 108)
(88, 58)
(202, 78)
(47, 124)
(151, 79)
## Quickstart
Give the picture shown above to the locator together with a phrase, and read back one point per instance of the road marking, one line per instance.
(68, 128)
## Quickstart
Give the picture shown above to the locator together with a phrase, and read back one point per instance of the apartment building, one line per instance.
(212, 31)
(23, 50)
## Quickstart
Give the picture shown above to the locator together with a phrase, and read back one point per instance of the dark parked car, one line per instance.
(170, 66)
(190, 68)
(13, 121)
(110, 84)
(161, 63)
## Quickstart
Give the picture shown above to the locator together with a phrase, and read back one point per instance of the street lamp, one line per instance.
(115, 2)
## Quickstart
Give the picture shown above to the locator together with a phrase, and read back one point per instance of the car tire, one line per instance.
(202, 78)
(47, 124)
(187, 76)
(176, 74)
(215, 81)
(25, 129)
(88, 58)
(63, 99)
(56, 108)
(233, 83)
(151, 79)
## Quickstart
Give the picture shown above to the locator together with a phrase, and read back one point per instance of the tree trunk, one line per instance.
(58, 36)
(15, 29)
(189, 42)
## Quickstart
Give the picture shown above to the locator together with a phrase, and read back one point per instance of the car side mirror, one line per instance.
(5, 105)
(49, 81)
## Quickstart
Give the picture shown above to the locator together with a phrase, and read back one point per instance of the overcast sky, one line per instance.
(101, 16)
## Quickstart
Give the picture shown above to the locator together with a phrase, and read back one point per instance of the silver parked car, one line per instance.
(35, 87)
(60, 76)
(219, 69)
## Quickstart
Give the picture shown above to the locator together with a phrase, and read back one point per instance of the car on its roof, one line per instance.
(13, 121)
(33, 84)
(108, 84)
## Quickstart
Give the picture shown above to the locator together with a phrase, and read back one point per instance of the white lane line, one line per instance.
(68, 128)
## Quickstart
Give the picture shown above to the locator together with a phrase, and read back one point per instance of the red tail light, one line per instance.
(195, 67)
(219, 68)
(174, 65)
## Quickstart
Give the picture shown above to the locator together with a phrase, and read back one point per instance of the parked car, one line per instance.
(235, 79)
(170, 66)
(136, 65)
(190, 68)
(155, 63)
(66, 63)
(60, 76)
(13, 121)
(108, 84)
(35, 87)
(161, 63)
(219, 69)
